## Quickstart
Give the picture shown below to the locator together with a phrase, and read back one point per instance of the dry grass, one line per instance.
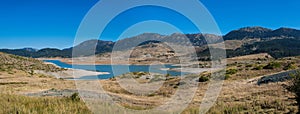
(240, 94)
(16, 104)
(10, 62)
(20, 82)
(243, 97)
(252, 66)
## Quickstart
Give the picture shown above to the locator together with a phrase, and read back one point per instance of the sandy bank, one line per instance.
(193, 70)
(70, 73)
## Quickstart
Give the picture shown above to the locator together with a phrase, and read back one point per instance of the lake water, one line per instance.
(116, 70)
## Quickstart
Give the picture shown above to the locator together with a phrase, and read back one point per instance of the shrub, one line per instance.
(113, 78)
(141, 74)
(295, 87)
(75, 97)
(231, 71)
(151, 95)
(290, 66)
(168, 75)
(134, 73)
(227, 76)
(138, 74)
(249, 65)
(203, 79)
(31, 72)
(260, 67)
(2, 69)
(272, 65)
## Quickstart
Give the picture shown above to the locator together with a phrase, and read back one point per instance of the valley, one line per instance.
(240, 92)
(258, 66)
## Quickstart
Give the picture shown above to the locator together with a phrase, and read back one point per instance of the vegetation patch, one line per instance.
(272, 65)
(9, 63)
(259, 67)
(295, 87)
(290, 66)
(16, 104)
(12, 83)
(231, 71)
(203, 79)
(75, 97)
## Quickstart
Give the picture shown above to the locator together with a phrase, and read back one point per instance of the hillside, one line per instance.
(87, 48)
(262, 33)
(247, 32)
(277, 48)
(18, 77)
(279, 43)
(10, 63)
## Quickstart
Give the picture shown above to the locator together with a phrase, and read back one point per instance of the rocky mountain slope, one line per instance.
(262, 33)
(281, 42)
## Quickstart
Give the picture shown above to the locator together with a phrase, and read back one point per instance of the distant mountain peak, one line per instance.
(255, 29)
(95, 46)
(176, 34)
(286, 32)
(247, 32)
(30, 49)
(94, 42)
(286, 29)
(149, 34)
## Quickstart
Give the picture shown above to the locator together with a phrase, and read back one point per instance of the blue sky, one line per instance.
(53, 23)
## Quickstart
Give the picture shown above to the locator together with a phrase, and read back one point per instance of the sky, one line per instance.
(54, 23)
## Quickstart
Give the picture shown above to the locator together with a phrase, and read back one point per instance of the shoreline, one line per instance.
(91, 73)
(103, 62)
(71, 73)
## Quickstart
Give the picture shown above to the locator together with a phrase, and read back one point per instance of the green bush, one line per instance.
(75, 97)
(290, 66)
(249, 65)
(227, 76)
(31, 72)
(272, 65)
(138, 74)
(141, 74)
(134, 73)
(203, 79)
(231, 71)
(151, 95)
(260, 67)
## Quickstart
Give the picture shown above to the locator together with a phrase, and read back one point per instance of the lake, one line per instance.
(116, 70)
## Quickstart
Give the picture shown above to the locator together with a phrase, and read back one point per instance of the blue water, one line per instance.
(116, 70)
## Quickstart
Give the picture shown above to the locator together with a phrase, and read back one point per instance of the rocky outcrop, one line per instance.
(279, 77)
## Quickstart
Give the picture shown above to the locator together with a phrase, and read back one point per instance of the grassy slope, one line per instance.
(16, 104)
(10, 62)
(17, 77)
(240, 93)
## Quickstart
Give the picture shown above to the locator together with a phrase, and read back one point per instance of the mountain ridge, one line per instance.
(87, 48)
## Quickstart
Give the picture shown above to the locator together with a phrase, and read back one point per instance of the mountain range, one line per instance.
(282, 42)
